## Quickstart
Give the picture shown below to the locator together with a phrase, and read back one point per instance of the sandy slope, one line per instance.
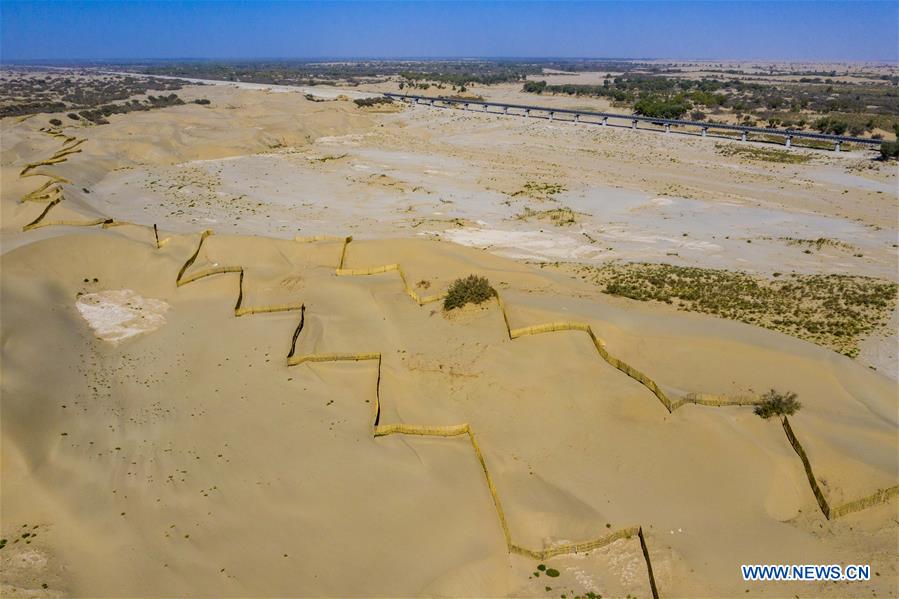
(193, 460)
(195, 448)
(276, 164)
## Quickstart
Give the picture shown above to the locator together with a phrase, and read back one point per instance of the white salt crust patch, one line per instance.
(119, 314)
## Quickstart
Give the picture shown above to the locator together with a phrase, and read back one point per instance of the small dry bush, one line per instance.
(470, 290)
(777, 404)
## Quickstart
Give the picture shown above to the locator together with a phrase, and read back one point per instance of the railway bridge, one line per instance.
(602, 118)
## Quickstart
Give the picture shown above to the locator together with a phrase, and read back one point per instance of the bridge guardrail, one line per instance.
(787, 133)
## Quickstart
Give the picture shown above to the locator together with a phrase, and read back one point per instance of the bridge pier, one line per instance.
(836, 147)
(605, 121)
(705, 131)
(527, 112)
(466, 105)
(667, 128)
(432, 102)
(789, 142)
(577, 118)
(743, 136)
(634, 124)
(505, 110)
(551, 115)
(485, 108)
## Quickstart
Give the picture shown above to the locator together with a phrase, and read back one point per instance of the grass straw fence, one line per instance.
(53, 196)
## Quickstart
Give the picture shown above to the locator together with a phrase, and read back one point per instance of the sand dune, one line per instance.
(299, 416)
(185, 426)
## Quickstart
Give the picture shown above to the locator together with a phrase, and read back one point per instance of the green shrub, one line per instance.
(470, 290)
(534, 87)
(55, 122)
(365, 102)
(777, 404)
(889, 149)
(664, 108)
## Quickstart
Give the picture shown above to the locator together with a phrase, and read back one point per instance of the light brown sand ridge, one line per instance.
(184, 277)
(703, 399)
(55, 194)
(201, 259)
(879, 496)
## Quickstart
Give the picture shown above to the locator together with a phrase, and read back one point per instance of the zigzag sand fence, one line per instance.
(454, 375)
(550, 476)
(51, 192)
(881, 495)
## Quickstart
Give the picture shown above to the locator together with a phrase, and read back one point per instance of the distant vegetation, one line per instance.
(889, 149)
(813, 100)
(812, 103)
(412, 74)
(763, 154)
(376, 101)
(462, 77)
(666, 108)
(26, 92)
(834, 311)
(470, 290)
(98, 115)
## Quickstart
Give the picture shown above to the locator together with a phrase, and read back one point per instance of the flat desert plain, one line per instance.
(226, 370)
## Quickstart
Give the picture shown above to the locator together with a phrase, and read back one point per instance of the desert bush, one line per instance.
(470, 290)
(775, 403)
(831, 125)
(534, 87)
(202, 101)
(666, 108)
(363, 102)
(56, 122)
(889, 149)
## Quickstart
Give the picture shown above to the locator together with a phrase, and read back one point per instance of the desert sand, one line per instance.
(281, 407)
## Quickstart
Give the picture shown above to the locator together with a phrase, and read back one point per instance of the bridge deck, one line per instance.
(785, 133)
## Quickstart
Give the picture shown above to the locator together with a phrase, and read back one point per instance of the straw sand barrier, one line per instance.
(239, 308)
(670, 405)
(49, 191)
(833, 512)
(464, 429)
(342, 271)
(55, 195)
(700, 399)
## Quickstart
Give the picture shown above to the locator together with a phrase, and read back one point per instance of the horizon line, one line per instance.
(325, 58)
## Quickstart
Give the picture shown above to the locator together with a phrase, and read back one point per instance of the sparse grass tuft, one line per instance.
(775, 403)
(763, 154)
(834, 311)
(538, 190)
(329, 157)
(558, 216)
(818, 243)
(470, 290)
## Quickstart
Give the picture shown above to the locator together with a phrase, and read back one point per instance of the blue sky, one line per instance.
(216, 29)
